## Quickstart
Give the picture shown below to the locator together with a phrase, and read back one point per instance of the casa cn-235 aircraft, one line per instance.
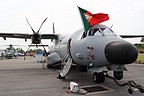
(95, 48)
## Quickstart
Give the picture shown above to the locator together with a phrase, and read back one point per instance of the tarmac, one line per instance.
(19, 77)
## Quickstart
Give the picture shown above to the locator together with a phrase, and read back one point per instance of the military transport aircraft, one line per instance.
(96, 48)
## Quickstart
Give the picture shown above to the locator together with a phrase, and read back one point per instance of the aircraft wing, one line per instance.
(131, 36)
(27, 36)
(49, 36)
(15, 35)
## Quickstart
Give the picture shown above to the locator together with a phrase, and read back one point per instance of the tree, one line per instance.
(142, 40)
(20, 50)
(140, 46)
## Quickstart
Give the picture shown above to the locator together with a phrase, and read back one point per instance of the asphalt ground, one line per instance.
(19, 77)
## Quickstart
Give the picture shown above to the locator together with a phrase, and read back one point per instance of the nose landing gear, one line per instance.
(118, 75)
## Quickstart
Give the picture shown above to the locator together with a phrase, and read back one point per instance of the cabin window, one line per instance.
(101, 32)
(95, 32)
(84, 35)
(107, 32)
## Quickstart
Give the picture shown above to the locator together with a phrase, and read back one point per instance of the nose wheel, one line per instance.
(98, 77)
(118, 75)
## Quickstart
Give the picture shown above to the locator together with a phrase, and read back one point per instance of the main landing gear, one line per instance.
(98, 77)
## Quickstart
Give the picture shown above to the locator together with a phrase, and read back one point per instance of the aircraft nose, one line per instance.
(120, 52)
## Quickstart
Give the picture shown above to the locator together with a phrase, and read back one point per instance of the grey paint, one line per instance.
(81, 51)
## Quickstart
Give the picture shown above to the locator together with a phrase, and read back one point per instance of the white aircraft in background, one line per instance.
(9, 52)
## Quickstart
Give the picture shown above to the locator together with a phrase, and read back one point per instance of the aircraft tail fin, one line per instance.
(53, 29)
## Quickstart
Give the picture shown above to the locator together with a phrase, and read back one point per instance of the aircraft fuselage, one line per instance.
(103, 49)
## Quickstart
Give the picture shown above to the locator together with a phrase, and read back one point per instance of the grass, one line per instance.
(140, 58)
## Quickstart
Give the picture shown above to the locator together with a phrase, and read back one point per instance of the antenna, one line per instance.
(111, 25)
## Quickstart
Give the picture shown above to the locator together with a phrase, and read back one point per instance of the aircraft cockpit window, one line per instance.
(95, 32)
(99, 32)
(107, 32)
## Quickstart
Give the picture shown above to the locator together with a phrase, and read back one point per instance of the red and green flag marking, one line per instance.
(90, 19)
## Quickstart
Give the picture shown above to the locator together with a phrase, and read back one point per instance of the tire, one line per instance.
(130, 91)
(98, 77)
(118, 75)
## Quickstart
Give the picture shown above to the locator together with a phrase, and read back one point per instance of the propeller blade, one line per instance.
(41, 25)
(30, 25)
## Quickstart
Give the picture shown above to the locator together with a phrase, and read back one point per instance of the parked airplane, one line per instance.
(96, 48)
(10, 52)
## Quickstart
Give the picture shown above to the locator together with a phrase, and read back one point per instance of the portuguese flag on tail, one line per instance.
(90, 19)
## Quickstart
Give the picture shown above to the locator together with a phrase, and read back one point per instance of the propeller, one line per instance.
(39, 27)
(35, 35)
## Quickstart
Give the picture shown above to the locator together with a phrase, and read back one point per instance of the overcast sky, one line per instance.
(126, 15)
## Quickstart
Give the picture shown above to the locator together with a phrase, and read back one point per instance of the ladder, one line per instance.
(67, 62)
